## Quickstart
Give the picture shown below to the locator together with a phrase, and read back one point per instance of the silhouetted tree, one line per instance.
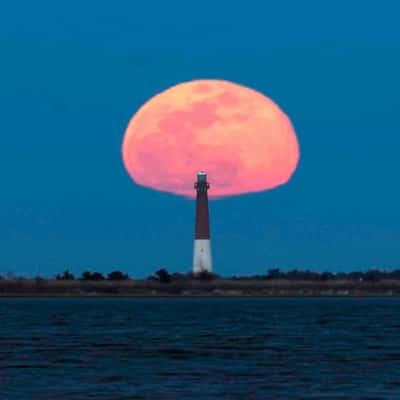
(95, 276)
(373, 275)
(274, 273)
(65, 276)
(163, 275)
(307, 275)
(341, 276)
(177, 276)
(327, 276)
(86, 276)
(354, 276)
(395, 274)
(291, 275)
(117, 276)
(40, 282)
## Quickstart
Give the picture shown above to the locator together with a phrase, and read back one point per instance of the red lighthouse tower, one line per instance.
(202, 249)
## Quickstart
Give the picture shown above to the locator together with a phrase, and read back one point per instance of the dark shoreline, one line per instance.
(216, 288)
(199, 296)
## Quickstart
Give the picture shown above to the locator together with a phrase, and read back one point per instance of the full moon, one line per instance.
(240, 137)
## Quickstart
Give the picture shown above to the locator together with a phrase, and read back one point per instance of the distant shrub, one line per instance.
(395, 274)
(163, 275)
(177, 276)
(205, 276)
(327, 276)
(274, 273)
(373, 275)
(65, 276)
(40, 282)
(86, 276)
(117, 276)
(95, 276)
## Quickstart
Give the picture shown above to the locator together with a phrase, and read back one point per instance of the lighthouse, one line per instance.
(202, 250)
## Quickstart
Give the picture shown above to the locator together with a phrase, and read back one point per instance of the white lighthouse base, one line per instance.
(202, 256)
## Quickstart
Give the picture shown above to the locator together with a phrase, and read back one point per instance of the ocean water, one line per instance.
(199, 349)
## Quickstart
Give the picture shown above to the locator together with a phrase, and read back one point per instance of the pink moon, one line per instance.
(240, 137)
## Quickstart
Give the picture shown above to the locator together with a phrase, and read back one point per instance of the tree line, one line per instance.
(164, 276)
(307, 275)
(161, 275)
(115, 275)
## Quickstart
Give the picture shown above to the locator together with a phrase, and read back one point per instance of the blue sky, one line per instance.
(72, 75)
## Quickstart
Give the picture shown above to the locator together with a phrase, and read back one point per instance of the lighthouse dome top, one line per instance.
(201, 176)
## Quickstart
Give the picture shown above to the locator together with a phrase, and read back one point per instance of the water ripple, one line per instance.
(199, 349)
